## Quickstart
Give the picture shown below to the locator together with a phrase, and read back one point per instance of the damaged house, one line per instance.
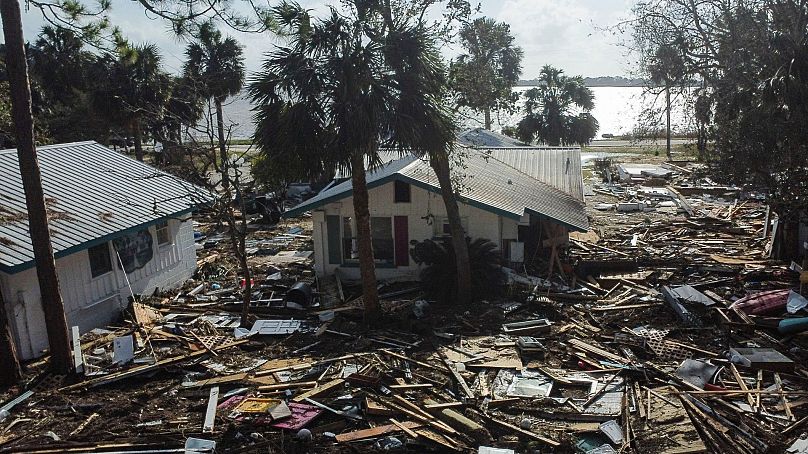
(118, 227)
(502, 200)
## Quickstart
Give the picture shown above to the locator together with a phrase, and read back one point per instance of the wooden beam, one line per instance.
(210, 413)
(319, 390)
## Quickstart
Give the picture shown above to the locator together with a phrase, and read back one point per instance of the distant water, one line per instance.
(617, 110)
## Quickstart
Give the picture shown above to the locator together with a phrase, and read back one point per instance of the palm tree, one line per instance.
(558, 110)
(134, 89)
(424, 125)
(348, 86)
(320, 104)
(61, 63)
(217, 65)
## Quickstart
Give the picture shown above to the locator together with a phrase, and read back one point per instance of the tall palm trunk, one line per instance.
(10, 373)
(440, 164)
(367, 267)
(137, 136)
(52, 305)
(668, 121)
(225, 160)
(488, 118)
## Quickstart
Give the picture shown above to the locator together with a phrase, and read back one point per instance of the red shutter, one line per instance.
(402, 239)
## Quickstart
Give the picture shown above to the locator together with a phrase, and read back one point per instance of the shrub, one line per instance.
(439, 275)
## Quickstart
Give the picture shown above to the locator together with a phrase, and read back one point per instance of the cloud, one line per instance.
(568, 34)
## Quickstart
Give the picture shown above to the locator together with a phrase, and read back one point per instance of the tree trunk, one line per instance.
(367, 267)
(668, 121)
(52, 305)
(225, 161)
(440, 164)
(138, 138)
(11, 372)
(488, 118)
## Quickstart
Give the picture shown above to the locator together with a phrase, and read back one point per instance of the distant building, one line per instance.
(118, 226)
(500, 202)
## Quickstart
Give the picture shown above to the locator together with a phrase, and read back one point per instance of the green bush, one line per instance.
(439, 275)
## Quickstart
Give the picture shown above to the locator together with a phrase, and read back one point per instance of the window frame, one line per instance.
(442, 222)
(92, 262)
(398, 189)
(164, 226)
(351, 257)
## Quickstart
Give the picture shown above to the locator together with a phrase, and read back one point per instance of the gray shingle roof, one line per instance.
(93, 194)
(488, 183)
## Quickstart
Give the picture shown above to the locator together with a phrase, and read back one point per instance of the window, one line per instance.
(163, 233)
(402, 192)
(442, 228)
(100, 262)
(349, 248)
(381, 232)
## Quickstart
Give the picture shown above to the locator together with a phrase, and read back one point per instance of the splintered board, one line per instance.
(667, 429)
(482, 352)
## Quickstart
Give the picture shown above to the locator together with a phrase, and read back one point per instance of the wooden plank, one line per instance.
(320, 390)
(742, 384)
(783, 399)
(404, 428)
(407, 387)
(78, 358)
(406, 358)
(581, 345)
(135, 371)
(210, 413)
(524, 432)
(441, 406)
(374, 432)
(456, 376)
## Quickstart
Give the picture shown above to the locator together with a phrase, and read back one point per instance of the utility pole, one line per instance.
(52, 305)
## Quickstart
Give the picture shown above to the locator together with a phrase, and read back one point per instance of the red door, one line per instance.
(402, 237)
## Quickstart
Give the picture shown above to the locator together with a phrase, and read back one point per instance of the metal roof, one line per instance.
(93, 194)
(487, 183)
(483, 138)
(560, 167)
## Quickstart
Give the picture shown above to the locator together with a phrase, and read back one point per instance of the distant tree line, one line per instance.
(119, 96)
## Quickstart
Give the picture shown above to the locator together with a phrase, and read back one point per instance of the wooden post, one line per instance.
(52, 305)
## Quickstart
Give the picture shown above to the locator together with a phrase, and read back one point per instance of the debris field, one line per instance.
(664, 329)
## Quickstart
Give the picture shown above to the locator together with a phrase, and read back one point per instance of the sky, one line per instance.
(568, 34)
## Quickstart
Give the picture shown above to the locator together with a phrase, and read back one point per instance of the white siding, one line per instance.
(95, 302)
(481, 224)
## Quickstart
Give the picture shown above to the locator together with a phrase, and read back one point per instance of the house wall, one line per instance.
(479, 224)
(95, 302)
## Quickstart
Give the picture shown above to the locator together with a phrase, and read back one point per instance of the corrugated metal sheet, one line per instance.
(560, 167)
(93, 193)
(487, 182)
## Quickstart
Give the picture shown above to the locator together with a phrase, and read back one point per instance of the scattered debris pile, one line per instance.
(671, 335)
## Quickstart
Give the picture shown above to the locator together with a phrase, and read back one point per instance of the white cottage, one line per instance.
(118, 227)
(499, 202)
